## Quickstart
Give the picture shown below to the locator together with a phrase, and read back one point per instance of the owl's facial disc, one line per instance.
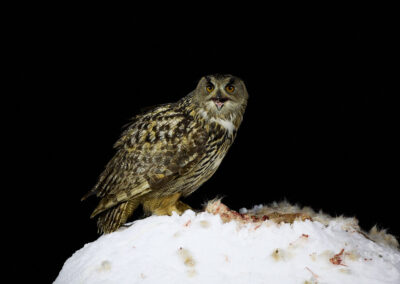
(221, 96)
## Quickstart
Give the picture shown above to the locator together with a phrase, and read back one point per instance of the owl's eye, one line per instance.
(230, 88)
(210, 88)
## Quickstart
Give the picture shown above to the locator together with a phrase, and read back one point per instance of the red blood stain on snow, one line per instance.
(256, 227)
(337, 258)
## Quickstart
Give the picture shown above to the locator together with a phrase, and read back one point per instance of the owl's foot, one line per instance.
(182, 207)
(165, 205)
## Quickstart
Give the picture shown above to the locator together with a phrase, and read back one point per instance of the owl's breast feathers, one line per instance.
(173, 148)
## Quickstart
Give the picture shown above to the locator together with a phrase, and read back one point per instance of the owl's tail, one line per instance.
(110, 220)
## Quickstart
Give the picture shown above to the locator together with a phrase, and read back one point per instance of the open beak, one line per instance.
(219, 102)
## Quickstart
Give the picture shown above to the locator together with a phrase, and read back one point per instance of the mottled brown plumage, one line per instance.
(169, 152)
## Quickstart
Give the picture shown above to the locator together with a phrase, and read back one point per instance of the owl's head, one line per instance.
(221, 96)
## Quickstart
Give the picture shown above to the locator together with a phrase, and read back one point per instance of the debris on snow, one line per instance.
(278, 243)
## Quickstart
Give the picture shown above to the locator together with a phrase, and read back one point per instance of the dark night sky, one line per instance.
(318, 130)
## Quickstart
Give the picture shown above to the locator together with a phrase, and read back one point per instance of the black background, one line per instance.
(319, 129)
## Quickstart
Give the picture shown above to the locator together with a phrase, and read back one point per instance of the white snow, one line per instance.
(202, 248)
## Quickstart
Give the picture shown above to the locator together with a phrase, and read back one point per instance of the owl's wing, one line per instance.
(151, 155)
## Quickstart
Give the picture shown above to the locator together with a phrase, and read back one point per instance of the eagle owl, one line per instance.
(169, 152)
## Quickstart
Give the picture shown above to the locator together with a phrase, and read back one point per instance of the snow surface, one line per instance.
(201, 248)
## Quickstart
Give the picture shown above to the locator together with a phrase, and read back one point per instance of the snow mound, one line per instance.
(279, 243)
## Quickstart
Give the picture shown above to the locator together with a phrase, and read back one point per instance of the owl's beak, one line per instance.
(219, 102)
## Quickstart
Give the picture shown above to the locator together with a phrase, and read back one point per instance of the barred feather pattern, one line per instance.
(171, 149)
(111, 220)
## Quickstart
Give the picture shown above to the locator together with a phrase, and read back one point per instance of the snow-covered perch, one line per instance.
(224, 246)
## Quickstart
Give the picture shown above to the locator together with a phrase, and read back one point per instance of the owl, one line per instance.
(169, 151)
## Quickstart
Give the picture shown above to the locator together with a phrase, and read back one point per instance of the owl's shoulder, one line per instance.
(163, 123)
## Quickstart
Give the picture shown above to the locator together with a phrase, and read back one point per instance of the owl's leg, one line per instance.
(165, 205)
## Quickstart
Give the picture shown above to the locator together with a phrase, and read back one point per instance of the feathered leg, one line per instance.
(165, 205)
